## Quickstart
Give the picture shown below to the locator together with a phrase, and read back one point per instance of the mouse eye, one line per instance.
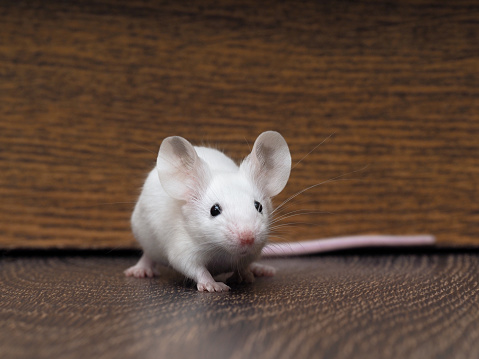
(215, 210)
(258, 206)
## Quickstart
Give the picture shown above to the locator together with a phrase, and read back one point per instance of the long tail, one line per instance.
(338, 243)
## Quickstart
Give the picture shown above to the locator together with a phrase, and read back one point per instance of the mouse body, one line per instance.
(203, 215)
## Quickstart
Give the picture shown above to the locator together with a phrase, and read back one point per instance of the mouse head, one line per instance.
(230, 209)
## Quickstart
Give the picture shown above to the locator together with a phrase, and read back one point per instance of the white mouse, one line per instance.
(203, 215)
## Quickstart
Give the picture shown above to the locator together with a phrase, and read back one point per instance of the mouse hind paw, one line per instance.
(140, 272)
(262, 270)
(145, 268)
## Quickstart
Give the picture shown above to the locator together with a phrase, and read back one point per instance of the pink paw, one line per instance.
(213, 287)
(139, 271)
(262, 270)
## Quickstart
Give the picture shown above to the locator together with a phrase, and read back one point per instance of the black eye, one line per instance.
(258, 206)
(215, 210)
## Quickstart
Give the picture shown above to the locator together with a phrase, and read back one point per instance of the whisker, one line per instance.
(278, 239)
(250, 149)
(297, 213)
(145, 149)
(327, 138)
(304, 201)
(287, 225)
(334, 179)
(100, 204)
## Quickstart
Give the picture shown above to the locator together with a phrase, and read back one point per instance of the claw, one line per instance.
(213, 287)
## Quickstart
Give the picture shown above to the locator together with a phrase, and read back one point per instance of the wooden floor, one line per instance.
(371, 305)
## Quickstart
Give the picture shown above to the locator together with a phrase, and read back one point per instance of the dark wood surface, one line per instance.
(88, 89)
(332, 306)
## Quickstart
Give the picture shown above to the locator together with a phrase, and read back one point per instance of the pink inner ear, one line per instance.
(196, 180)
(183, 175)
(269, 164)
(266, 157)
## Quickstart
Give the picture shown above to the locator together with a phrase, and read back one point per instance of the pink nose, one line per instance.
(246, 239)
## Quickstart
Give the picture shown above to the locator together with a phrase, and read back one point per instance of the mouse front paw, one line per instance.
(212, 287)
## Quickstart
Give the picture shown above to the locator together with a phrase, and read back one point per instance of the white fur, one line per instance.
(172, 220)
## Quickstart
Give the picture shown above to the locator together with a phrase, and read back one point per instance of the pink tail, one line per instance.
(334, 244)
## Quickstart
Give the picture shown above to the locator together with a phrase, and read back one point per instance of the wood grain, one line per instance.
(362, 306)
(88, 89)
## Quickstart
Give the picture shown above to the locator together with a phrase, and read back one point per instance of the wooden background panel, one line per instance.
(88, 90)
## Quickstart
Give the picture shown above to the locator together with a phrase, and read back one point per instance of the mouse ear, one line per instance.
(269, 163)
(182, 173)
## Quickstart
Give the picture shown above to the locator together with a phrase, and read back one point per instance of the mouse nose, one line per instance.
(246, 238)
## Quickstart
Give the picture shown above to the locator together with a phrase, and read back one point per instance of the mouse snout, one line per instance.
(246, 238)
